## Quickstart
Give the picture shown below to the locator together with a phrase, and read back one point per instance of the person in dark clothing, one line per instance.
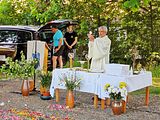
(70, 39)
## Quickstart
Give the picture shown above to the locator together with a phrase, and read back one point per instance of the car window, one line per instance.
(46, 36)
(24, 36)
(8, 36)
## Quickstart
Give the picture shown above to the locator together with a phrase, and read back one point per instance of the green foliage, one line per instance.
(134, 5)
(140, 27)
(6, 12)
(153, 61)
(153, 64)
(153, 91)
(140, 31)
(156, 71)
(70, 81)
(45, 78)
(22, 68)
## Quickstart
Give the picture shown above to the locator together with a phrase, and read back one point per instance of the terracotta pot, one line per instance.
(31, 85)
(117, 107)
(25, 88)
(47, 93)
(70, 99)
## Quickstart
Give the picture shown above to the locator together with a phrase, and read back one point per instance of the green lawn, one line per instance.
(154, 89)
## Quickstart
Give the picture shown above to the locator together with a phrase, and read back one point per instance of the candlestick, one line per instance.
(70, 62)
(86, 56)
(71, 55)
(88, 65)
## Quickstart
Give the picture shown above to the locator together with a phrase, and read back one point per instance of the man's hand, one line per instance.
(90, 37)
(70, 47)
(56, 49)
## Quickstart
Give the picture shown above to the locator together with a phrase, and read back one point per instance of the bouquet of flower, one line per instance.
(116, 93)
(71, 81)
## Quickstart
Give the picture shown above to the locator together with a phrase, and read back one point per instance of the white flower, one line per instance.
(115, 90)
(123, 94)
(110, 90)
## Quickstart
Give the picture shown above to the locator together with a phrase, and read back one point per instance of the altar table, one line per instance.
(95, 82)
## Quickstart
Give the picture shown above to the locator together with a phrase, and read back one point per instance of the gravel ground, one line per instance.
(84, 109)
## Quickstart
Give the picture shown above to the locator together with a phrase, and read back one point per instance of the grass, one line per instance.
(155, 71)
(154, 89)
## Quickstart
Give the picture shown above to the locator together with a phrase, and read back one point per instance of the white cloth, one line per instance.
(134, 82)
(95, 82)
(99, 51)
(88, 82)
(35, 49)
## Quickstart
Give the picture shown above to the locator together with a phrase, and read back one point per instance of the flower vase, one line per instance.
(31, 85)
(25, 88)
(70, 99)
(117, 107)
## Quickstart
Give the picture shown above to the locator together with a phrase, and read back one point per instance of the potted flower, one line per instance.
(45, 81)
(71, 81)
(116, 94)
(21, 69)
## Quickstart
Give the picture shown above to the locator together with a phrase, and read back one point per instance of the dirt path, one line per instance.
(15, 105)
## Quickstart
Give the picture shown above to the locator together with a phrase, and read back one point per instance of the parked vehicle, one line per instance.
(13, 39)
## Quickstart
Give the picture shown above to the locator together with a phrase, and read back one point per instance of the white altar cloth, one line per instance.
(95, 82)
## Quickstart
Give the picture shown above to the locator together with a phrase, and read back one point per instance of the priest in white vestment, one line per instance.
(99, 50)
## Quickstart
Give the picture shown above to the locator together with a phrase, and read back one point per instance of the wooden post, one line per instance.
(95, 101)
(108, 102)
(57, 94)
(102, 104)
(45, 62)
(127, 98)
(147, 96)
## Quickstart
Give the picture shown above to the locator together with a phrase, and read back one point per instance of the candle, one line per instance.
(71, 62)
(88, 65)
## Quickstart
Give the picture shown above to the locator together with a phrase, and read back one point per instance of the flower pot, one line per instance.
(25, 88)
(70, 99)
(46, 93)
(117, 107)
